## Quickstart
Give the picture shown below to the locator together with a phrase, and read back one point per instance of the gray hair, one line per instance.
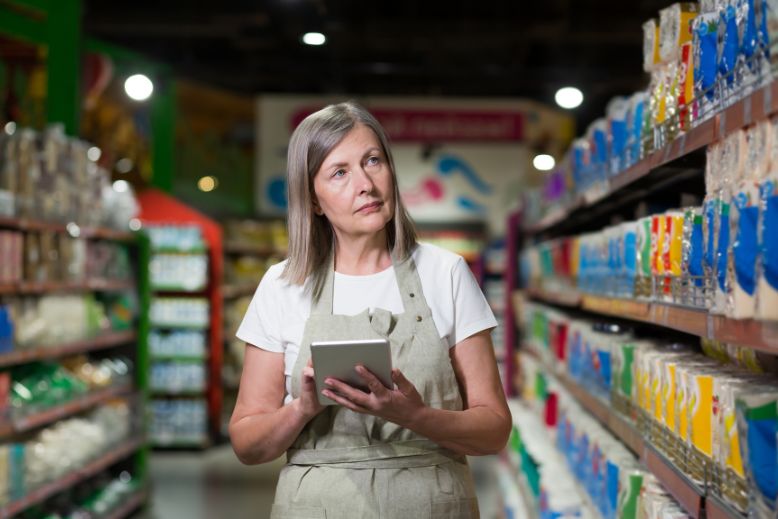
(311, 237)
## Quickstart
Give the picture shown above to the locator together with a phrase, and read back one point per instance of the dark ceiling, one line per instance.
(513, 48)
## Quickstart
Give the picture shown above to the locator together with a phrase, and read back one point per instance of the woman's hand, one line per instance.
(399, 405)
(308, 401)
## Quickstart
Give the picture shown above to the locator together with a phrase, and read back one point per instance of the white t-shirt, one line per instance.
(276, 316)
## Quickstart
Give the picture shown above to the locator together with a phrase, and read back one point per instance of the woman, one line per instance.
(355, 271)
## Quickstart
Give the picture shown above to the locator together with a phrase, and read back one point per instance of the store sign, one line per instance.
(443, 125)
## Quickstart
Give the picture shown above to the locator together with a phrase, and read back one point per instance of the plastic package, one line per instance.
(636, 114)
(729, 46)
(745, 216)
(650, 45)
(675, 29)
(617, 112)
(757, 419)
(767, 291)
(706, 67)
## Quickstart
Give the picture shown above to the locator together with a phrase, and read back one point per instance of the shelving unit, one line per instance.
(251, 247)
(132, 450)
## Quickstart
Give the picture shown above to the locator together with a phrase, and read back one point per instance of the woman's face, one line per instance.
(353, 187)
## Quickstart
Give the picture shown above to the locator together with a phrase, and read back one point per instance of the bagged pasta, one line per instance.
(757, 422)
(745, 216)
(767, 285)
(705, 28)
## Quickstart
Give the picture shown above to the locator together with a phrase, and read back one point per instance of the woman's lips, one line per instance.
(369, 208)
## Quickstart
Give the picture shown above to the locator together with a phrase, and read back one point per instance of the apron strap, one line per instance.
(408, 282)
(401, 454)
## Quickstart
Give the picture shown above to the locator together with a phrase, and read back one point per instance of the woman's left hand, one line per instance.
(398, 405)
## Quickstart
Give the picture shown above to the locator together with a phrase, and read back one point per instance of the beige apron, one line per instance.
(350, 465)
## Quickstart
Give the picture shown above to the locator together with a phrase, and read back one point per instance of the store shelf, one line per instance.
(715, 508)
(685, 491)
(181, 326)
(171, 290)
(189, 393)
(96, 285)
(690, 495)
(100, 342)
(234, 291)
(252, 250)
(758, 335)
(130, 505)
(618, 425)
(9, 427)
(755, 107)
(75, 477)
(96, 233)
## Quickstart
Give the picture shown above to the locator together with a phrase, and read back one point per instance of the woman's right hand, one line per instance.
(308, 400)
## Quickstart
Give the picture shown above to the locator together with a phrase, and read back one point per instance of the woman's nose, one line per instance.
(364, 181)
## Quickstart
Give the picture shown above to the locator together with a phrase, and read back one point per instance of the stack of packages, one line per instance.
(612, 479)
(714, 415)
(701, 57)
(722, 256)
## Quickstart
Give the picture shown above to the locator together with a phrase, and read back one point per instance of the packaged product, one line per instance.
(710, 209)
(705, 66)
(650, 45)
(728, 48)
(686, 113)
(675, 29)
(757, 421)
(748, 62)
(644, 253)
(673, 246)
(8, 181)
(767, 291)
(768, 31)
(700, 408)
(692, 257)
(629, 495)
(628, 232)
(636, 114)
(745, 216)
(617, 111)
(658, 227)
(671, 92)
(732, 164)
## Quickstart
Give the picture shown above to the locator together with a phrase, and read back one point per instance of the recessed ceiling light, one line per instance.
(139, 87)
(569, 97)
(207, 184)
(314, 38)
(544, 162)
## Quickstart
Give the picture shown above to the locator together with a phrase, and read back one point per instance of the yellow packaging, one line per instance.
(681, 403)
(700, 394)
(676, 242)
(574, 258)
(669, 395)
(656, 388)
(726, 447)
(658, 231)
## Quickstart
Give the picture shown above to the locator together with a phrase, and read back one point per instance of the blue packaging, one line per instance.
(706, 53)
(6, 330)
(729, 44)
(745, 248)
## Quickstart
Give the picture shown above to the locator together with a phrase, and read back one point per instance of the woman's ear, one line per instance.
(316, 207)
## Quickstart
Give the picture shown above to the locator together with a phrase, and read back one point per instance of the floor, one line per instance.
(214, 484)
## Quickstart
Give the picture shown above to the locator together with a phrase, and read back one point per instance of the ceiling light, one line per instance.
(10, 128)
(314, 38)
(207, 184)
(544, 162)
(135, 224)
(94, 153)
(139, 87)
(569, 97)
(121, 186)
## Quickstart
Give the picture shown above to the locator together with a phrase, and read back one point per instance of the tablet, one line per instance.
(337, 359)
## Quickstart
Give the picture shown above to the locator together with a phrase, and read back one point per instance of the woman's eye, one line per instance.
(339, 173)
(373, 161)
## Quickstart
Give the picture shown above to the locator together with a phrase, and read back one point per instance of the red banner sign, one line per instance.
(444, 125)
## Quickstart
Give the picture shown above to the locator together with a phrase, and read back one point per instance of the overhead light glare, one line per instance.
(544, 162)
(138, 87)
(569, 97)
(94, 153)
(121, 186)
(207, 184)
(314, 38)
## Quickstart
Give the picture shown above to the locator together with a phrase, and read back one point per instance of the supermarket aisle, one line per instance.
(214, 484)
(210, 484)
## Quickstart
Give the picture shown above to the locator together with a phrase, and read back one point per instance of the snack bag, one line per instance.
(767, 285)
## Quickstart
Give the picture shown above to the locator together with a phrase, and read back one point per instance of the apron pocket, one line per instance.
(464, 508)
(296, 512)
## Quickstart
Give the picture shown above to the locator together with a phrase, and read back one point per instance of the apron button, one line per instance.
(418, 318)
(412, 294)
